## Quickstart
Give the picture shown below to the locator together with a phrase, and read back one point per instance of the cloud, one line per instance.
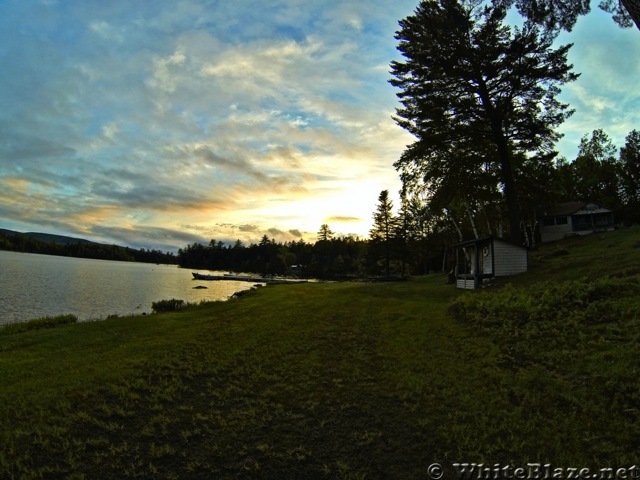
(275, 232)
(226, 120)
(601, 96)
(143, 236)
(248, 228)
(228, 233)
(587, 100)
(343, 219)
(18, 147)
(164, 77)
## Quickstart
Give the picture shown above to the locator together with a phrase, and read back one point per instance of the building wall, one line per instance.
(509, 259)
(466, 283)
(550, 233)
(587, 220)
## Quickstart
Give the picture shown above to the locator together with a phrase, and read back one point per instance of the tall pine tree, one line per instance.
(384, 227)
(474, 93)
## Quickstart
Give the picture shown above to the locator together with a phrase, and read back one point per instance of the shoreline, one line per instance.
(187, 305)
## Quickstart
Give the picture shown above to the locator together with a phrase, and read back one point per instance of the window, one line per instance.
(582, 222)
(602, 220)
(551, 221)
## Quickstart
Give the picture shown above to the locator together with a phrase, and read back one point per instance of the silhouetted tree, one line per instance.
(474, 93)
(325, 233)
(384, 227)
(596, 171)
(557, 15)
(630, 177)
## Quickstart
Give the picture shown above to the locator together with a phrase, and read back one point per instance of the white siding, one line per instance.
(509, 259)
(487, 260)
(556, 232)
(466, 283)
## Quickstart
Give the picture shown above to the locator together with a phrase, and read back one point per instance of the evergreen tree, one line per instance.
(325, 233)
(384, 227)
(474, 93)
(557, 15)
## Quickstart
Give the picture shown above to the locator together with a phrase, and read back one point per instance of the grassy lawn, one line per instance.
(341, 380)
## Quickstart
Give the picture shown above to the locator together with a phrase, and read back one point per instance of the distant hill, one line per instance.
(50, 244)
(47, 237)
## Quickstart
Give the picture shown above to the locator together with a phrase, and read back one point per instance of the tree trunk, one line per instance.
(444, 260)
(473, 223)
(511, 197)
(500, 227)
(486, 216)
(455, 225)
(506, 169)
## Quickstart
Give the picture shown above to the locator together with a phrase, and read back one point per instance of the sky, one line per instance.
(158, 124)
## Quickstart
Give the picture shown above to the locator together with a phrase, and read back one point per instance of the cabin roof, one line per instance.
(474, 241)
(563, 209)
(483, 241)
(569, 208)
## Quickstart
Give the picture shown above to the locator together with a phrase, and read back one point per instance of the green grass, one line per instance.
(340, 380)
(37, 324)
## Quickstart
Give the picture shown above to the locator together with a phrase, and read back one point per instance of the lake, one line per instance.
(33, 286)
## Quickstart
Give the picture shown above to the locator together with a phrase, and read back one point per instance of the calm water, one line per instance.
(33, 286)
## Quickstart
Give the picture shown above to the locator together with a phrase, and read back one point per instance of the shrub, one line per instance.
(574, 330)
(578, 301)
(172, 305)
(37, 324)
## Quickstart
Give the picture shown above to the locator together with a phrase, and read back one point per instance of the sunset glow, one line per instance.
(157, 125)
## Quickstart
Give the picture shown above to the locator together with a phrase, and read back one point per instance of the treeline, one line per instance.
(417, 239)
(600, 173)
(480, 98)
(327, 258)
(333, 258)
(83, 249)
(603, 174)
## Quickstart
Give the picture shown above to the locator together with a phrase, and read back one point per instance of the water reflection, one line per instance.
(34, 285)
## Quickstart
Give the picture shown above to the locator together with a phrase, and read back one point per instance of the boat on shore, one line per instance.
(247, 278)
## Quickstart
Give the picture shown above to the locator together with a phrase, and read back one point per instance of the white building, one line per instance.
(574, 218)
(480, 260)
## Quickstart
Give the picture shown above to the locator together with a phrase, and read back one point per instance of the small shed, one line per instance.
(574, 218)
(482, 259)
